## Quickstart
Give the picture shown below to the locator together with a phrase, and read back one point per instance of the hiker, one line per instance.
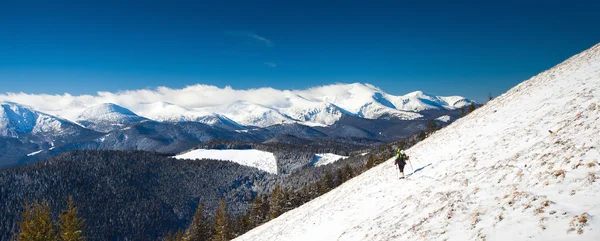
(401, 159)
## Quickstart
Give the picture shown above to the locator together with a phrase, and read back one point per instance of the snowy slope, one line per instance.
(522, 167)
(250, 114)
(253, 158)
(107, 117)
(17, 120)
(419, 101)
(444, 118)
(326, 158)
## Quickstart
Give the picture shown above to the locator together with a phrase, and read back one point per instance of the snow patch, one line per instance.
(444, 118)
(253, 158)
(326, 158)
(34, 153)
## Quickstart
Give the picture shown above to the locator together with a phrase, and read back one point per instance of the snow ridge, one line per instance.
(17, 120)
(523, 167)
(318, 106)
(107, 117)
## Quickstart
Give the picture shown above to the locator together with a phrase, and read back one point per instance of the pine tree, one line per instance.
(347, 173)
(462, 112)
(370, 162)
(472, 107)
(326, 182)
(71, 226)
(222, 225)
(199, 229)
(256, 211)
(276, 202)
(37, 224)
(490, 97)
(178, 236)
(431, 127)
(339, 178)
(242, 224)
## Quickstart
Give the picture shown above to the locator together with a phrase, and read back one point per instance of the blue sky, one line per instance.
(458, 48)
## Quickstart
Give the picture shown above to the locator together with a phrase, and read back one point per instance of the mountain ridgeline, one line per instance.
(357, 114)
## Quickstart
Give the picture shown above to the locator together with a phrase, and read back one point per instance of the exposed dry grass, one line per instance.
(560, 173)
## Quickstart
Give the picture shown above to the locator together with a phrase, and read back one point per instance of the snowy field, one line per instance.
(326, 158)
(522, 167)
(253, 158)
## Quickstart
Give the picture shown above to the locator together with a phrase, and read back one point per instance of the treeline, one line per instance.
(281, 199)
(263, 208)
(133, 195)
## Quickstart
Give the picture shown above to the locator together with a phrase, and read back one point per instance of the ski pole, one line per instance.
(411, 167)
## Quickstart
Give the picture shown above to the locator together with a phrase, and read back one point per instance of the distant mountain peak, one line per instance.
(107, 117)
(107, 108)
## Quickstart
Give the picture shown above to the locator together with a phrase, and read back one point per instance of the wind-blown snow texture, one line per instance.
(496, 174)
(253, 158)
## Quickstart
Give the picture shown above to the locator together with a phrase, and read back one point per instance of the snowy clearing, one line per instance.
(523, 167)
(253, 158)
(444, 118)
(34, 153)
(326, 158)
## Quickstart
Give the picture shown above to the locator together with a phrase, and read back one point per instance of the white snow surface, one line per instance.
(17, 119)
(34, 153)
(107, 117)
(444, 118)
(253, 158)
(326, 158)
(496, 174)
(318, 106)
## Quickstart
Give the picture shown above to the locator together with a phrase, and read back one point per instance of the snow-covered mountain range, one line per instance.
(320, 106)
(18, 121)
(525, 166)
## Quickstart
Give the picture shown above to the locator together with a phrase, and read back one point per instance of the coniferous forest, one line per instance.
(137, 195)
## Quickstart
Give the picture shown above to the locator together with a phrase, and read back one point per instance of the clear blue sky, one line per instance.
(463, 48)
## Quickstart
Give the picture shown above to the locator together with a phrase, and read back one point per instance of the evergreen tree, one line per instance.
(37, 224)
(222, 224)
(242, 224)
(347, 173)
(199, 229)
(276, 202)
(339, 178)
(431, 126)
(71, 226)
(462, 112)
(326, 182)
(256, 211)
(370, 162)
(490, 97)
(178, 236)
(472, 107)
